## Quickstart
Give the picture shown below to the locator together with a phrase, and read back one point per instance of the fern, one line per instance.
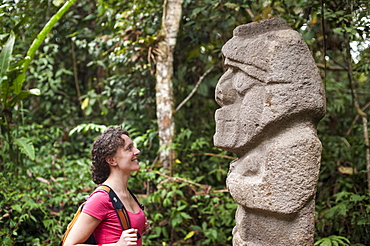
(26, 147)
(332, 240)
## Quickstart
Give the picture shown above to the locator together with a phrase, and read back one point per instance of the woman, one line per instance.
(114, 158)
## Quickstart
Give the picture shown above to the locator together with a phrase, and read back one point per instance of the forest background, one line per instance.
(95, 66)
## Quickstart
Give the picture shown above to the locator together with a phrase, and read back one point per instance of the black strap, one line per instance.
(120, 209)
(117, 204)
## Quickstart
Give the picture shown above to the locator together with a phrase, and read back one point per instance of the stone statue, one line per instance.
(271, 99)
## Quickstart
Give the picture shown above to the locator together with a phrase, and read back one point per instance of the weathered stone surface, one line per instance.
(271, 99)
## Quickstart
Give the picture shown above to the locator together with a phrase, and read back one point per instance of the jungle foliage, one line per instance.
(95, 68)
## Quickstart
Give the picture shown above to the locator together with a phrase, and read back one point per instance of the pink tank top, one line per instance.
(109, 229)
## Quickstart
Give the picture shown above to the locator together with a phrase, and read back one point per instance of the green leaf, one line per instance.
(26, 147)
(182, 207)
(19, 97)
(17, 208)
(4, 63)
(18, 82)
(185, 215)
(323, 242)
(3, 36)
(22, 95)
(357, 198)
(326, 243)
(88, 127)
(5, 56)
(341, 239)
(332, 240)
(341, 195)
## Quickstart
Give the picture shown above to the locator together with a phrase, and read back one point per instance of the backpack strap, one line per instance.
(118, 206)
(70, 225)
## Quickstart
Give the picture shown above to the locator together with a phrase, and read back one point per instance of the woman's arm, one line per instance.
(81, 230)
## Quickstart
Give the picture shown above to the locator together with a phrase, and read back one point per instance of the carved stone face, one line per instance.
(270, 77)
(241, 99)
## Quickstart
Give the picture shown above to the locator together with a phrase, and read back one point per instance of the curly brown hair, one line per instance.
(105, 145)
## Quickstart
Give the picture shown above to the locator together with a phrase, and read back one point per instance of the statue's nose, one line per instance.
(225, 92)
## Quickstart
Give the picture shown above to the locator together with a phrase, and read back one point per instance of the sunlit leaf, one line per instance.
(85, 103)
(189, 235)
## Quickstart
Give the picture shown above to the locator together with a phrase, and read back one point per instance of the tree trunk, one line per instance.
(164, 91)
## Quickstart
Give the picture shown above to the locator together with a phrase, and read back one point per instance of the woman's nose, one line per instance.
(137, 151)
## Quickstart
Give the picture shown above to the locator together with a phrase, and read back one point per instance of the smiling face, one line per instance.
(125, 157)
